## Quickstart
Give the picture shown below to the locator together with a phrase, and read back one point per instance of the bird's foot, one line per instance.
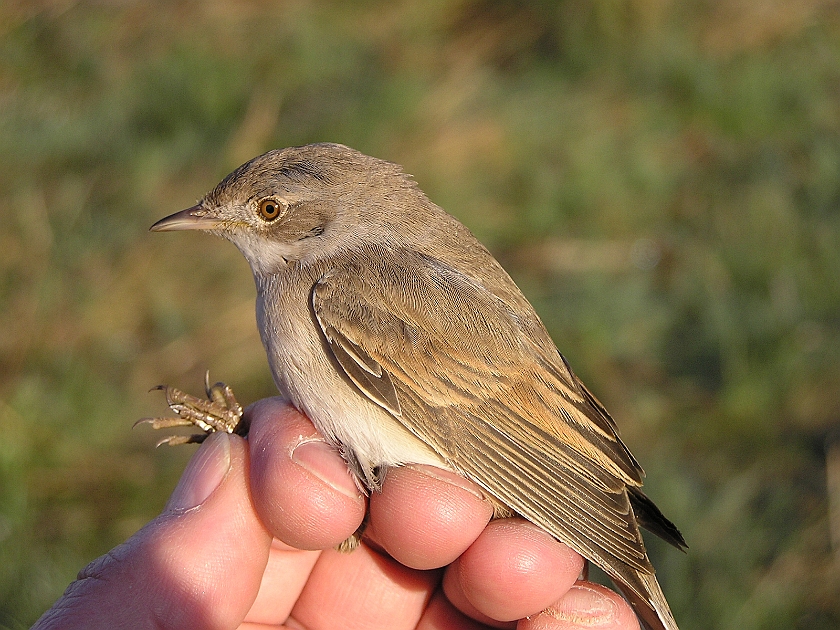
(220, 411)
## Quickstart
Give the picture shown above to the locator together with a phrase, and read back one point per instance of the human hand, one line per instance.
(214, 557)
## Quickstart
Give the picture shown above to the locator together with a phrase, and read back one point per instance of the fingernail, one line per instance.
(452, 478)
(323, 461)
(204, 473)
(583, 606)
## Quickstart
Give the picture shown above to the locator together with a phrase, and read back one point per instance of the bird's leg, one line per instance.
(220, 411)
(355, 539)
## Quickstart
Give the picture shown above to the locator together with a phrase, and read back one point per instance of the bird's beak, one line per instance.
(195, 218)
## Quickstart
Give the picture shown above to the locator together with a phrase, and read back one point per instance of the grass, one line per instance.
(662, 179)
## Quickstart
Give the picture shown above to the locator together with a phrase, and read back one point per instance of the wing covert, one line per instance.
(453, 363)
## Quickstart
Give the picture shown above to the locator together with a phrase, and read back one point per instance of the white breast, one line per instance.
(306, 375)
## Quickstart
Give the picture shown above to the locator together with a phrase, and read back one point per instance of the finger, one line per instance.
(512, 570)
(370, 590)
(426, 517)
(301, 486)
(194, 566)
(584, 606)
(440, 614)
(285, 575)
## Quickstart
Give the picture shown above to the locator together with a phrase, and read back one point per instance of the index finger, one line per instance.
(300, 485)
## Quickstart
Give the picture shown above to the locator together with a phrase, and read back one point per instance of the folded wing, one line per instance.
(463, 370)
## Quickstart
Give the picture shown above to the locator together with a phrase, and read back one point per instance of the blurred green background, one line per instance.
(662, 178)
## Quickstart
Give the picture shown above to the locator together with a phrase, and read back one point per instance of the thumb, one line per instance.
(198, 564)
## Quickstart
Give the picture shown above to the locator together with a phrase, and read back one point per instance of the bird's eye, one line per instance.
(271, 208)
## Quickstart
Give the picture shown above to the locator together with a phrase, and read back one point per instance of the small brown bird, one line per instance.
(404, 341)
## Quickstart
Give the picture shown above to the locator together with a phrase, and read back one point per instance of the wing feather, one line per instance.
(455, 364)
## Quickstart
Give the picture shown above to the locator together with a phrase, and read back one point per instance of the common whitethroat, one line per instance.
(404, 341)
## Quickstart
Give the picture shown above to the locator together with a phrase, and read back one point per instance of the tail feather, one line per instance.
(649, 517)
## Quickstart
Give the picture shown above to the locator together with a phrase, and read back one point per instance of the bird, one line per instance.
(400, 336)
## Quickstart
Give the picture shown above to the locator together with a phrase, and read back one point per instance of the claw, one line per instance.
(207, 385)
(177, 440)
(220, 411)
(163, 423)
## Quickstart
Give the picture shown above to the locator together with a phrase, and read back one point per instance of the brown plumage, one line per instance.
(404, 340)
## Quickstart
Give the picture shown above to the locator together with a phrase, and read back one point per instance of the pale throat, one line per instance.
(265, 256)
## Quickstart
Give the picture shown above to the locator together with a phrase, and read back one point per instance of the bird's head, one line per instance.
(296, 204)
